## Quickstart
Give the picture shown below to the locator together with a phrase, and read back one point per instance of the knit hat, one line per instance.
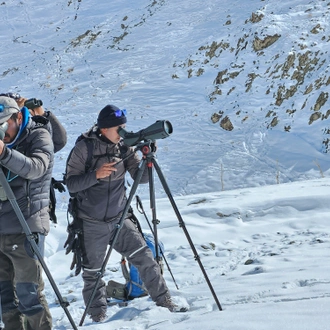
(111, 116)
(8, 106)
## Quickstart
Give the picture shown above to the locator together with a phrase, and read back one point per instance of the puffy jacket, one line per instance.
(102, 199)
(28, 167)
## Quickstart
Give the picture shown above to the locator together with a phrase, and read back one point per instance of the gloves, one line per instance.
(76, 259)
(73, 244)
(58, 185)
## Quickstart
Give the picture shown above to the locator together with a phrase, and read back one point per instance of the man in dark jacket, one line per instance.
(100, 201)
(26, 157)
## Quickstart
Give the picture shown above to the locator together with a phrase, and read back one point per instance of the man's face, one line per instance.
(13, 127)
(112, 133)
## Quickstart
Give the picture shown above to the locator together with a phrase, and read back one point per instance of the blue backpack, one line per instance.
(134, 285)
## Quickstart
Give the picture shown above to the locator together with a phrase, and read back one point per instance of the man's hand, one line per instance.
(105, 170)
(39, 111)
(20, 102)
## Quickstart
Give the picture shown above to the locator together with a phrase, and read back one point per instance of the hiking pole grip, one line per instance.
(12, 199)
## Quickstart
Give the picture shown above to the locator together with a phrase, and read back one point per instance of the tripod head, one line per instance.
(147, 147)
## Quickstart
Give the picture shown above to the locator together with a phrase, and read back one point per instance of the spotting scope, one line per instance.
(161, 129)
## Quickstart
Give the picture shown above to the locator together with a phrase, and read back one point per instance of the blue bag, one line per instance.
(134, 285)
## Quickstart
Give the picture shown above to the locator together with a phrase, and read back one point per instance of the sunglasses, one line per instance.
(119, 113)
(14, 96)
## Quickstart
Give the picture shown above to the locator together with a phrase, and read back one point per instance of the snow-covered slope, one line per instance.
(245, 84)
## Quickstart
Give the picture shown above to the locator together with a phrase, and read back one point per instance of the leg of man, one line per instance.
(96, 236)
(132, 245)
(28, 281)
(11, 316)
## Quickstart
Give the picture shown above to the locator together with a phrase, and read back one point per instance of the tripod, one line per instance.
(148, 150)
(34, 246)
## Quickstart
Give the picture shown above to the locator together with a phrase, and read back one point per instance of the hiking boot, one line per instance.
(171, 306)
(99, 317)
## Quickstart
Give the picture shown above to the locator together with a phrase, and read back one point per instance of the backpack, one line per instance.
(134, 287)
(42, 122)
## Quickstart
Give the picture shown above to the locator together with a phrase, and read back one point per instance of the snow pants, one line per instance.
(21, 285)
(130, 243)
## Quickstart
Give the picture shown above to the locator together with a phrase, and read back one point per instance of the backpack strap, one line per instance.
(90, 149)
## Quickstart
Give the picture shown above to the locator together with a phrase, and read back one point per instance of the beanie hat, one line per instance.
(8, 106)
(111, 116)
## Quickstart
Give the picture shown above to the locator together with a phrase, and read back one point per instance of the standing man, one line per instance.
(26, 157)
(100, 202)
(59, 137)
(58, 131)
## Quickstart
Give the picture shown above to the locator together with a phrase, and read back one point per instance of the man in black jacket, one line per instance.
(26, 157)
(101, 200)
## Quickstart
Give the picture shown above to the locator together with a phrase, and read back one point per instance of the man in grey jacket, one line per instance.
(59, 138)
(100, 196)
(26, 157)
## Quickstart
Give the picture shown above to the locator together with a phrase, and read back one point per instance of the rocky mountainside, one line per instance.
(287, 63)
(245, 83)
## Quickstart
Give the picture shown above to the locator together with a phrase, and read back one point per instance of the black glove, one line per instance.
(58, 185)
(76, 259)
(73, 244)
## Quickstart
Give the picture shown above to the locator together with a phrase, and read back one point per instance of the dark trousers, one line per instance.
(130, 243)
(21, 285)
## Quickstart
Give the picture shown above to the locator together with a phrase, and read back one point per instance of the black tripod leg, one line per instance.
(183, 226)
(35, 248)
(119, 226)
(154, 221)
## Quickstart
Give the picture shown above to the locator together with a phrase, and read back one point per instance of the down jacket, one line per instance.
(103, 199)
(28, 168)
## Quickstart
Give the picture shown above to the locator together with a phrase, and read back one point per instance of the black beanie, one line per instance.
(107, 117)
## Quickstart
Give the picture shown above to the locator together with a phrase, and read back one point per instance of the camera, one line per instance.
(161, 129)
(33, 103)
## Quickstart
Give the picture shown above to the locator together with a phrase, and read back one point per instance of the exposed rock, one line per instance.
(314, 116)
(323, 97)
(274, 122)
(226, 124)
(255, 18)
(259, 44)
(216, 117)
(219, 79)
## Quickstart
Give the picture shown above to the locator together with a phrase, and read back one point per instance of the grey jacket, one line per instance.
(28, 167)
(103, 199)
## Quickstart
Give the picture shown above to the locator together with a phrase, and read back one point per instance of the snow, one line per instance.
(254, 200)
(264, 250)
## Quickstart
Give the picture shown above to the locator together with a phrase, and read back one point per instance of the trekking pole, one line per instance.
(2, 326)
(139, 205)
(101, 272)
(35, 248)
